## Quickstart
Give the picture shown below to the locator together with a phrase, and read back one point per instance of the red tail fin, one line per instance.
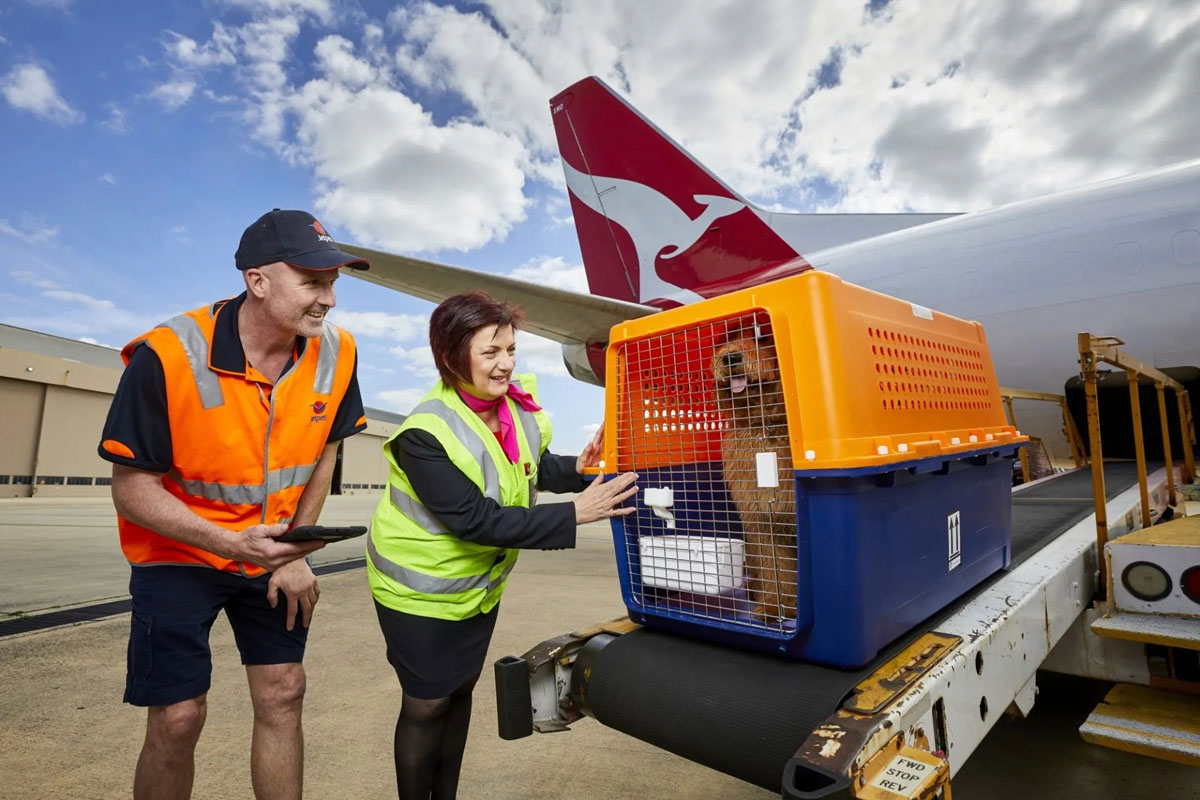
(654, 225)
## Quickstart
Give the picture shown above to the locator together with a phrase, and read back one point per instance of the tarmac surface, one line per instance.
(65, 733)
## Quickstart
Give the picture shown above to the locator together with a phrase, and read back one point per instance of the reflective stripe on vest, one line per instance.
(195, 347)
(418, 513)
(327, 360)
(245, 493)
(470, 439)
(429, 584)
(415, 511)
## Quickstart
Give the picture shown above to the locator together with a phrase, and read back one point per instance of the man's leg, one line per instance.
(166, 767)
(277, 749)
(272, 655)
(169, 671)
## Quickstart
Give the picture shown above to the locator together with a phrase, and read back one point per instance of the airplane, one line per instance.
(657, 229)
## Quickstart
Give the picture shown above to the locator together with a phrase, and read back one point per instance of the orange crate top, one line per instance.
(868, 380)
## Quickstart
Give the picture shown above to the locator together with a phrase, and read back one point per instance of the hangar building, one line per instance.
(54, 397)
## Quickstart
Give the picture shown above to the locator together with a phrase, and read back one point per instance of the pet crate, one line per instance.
(821, 467)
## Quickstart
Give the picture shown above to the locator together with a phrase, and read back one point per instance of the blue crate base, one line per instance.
(873, 553)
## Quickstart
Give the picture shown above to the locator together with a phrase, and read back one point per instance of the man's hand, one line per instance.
(257, 545)
(299, 585)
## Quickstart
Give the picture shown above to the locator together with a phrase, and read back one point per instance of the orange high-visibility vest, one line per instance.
(242, 456)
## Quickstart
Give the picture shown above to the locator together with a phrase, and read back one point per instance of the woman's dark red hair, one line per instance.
(455, 321)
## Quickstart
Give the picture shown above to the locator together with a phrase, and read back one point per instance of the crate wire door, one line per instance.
(701, 413)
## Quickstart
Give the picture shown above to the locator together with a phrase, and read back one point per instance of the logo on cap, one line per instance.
(321, 233)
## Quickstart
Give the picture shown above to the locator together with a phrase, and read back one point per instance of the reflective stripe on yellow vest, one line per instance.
(414, 564)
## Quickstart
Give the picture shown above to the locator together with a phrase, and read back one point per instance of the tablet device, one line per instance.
(313, 533)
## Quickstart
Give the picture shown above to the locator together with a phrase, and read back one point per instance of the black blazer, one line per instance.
(455, 500)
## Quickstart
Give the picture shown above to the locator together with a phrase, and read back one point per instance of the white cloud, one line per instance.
(33, 279)
(402, 401)
(66, 296)
(108, 178)
(92, 340)
(321, 9)
(539, 355)
(944, 108)
(463, 52)
(116, 122)
(553, 271)
(991, 101)
(380, 325)
(173, 95)
(217, 51)
(392, 177)
(335, 57)
(29, 88)
(220, 98)
(33, 231)
(416, 362)
(76, 314)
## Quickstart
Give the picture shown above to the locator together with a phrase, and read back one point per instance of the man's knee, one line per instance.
(178, 724)
(277, 689)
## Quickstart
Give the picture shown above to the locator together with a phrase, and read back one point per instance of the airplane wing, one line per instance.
(558, 314)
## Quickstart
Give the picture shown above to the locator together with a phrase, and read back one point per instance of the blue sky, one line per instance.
(142, 137)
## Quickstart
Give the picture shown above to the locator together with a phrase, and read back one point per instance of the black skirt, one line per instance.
(433, 657)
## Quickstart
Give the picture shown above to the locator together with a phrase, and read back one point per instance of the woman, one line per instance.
(465, 468)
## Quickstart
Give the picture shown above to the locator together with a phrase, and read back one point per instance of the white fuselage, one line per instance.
(1119, 258)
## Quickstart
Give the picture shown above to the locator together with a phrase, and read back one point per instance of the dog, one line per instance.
(750, 400)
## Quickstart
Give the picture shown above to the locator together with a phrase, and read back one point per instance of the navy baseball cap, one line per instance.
(294, 237)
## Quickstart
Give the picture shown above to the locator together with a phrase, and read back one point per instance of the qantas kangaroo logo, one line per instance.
(656, 225)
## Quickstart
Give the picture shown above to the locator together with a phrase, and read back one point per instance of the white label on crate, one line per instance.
(903, 776)
(768, 470)
(921, 311)
(954, 538)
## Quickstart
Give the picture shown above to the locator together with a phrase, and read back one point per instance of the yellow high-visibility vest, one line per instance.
(414, 564)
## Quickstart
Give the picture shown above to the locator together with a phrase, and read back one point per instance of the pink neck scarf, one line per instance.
(508, 430)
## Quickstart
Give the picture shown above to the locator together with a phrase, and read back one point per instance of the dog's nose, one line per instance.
(731, 359)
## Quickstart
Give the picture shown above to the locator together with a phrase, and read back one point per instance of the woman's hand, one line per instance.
(590, 456)
(602, 499)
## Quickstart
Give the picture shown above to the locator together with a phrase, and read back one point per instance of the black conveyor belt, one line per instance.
(745, 713)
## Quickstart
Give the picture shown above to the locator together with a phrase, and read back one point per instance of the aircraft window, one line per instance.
(1187, 247)
(1070, 266)
(1127, 257)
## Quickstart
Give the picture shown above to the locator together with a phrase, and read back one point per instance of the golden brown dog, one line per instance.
(750, 399)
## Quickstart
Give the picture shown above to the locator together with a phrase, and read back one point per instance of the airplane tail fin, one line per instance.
(654, 225)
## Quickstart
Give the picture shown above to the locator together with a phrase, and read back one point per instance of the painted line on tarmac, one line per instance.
(112, 608)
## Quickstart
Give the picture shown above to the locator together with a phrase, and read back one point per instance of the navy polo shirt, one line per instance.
(138, 416)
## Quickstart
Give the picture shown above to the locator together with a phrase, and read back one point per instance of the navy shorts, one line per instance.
(174, 608)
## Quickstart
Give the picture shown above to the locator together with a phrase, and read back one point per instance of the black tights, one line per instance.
(430, 738)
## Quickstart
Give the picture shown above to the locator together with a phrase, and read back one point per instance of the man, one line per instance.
(223, 434)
